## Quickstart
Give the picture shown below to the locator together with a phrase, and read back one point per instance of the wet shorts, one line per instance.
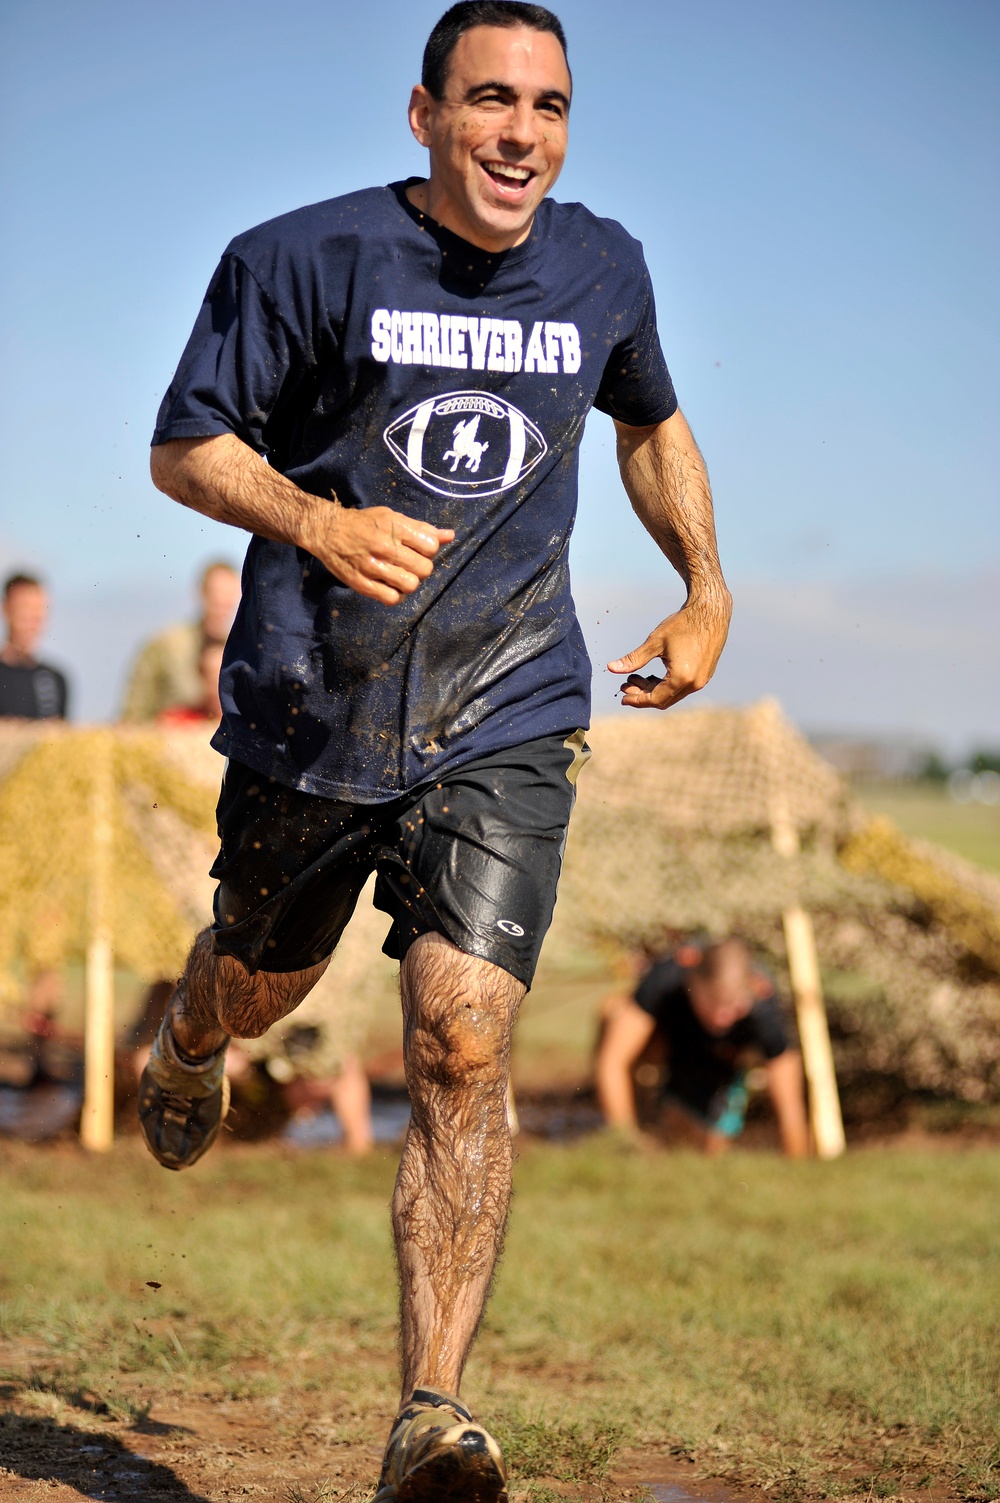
(474, 856)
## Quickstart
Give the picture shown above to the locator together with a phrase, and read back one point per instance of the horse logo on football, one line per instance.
(466, 443)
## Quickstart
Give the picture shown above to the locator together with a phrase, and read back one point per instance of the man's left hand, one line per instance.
(689, 644)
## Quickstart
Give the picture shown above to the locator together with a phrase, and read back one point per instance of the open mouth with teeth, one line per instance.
(508, 178)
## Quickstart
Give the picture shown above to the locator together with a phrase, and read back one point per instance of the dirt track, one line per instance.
(204, 1451)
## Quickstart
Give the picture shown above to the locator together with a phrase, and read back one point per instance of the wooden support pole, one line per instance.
(803, 963)
(97, 1121)
(814, 1033)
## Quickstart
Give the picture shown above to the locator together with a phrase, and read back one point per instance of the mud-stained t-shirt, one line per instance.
(703, 1064)
(370, 354)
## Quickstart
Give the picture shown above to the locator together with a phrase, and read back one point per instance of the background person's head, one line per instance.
(26, 610)
(492, 108)
(219, 591)
(720, 985)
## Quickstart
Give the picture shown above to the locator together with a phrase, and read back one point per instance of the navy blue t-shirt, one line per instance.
(371, 354)
(704, 1065)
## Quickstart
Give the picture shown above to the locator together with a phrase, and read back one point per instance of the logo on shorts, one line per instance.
(466, 443)
(509, 927)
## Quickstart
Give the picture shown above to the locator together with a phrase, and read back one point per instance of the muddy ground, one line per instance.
(205, 1451)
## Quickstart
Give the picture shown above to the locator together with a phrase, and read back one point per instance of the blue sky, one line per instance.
(815, 188)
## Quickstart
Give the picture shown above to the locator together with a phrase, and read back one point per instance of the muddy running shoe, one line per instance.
(181, 1105)
(438, 1454)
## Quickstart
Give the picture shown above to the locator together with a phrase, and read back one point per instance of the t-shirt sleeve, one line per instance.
(235, 366)
(769, 1027)
(636, 387)
(657, 987)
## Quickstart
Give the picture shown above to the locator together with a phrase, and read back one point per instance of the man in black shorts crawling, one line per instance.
(713, 1012)
(388, 391)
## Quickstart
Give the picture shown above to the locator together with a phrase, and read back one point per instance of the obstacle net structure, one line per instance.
(708, 821)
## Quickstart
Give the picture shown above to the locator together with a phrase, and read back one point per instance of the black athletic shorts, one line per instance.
(474, 856)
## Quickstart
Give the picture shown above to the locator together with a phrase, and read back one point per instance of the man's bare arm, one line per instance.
(627, 1031)
(377, 551)
(786, 1089)
(665, 478)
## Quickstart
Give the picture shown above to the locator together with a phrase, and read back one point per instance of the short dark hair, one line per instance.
(718, 954)
(16, 580)
(469, 13)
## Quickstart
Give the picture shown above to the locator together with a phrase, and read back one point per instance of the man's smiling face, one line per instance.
(497, 139)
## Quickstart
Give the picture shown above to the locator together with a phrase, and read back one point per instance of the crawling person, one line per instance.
(711, 1011)
(388, 390)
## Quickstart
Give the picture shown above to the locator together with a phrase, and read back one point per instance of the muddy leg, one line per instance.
(453, 1188)
(217, 998)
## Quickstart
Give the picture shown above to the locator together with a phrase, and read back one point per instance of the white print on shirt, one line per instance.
(466, 443)
(463, 342)
(466, 446)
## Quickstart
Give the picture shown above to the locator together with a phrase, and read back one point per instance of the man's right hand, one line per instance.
(376, 551)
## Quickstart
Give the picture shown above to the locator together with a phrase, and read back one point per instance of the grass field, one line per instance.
(808, 1329)
(970, 830)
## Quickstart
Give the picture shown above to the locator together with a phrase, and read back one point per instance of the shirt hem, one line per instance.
(190, 428)
(264, 759)
(659, 414)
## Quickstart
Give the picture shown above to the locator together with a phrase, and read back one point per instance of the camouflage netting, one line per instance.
(47, 843)
(673, 833)
(164, 786)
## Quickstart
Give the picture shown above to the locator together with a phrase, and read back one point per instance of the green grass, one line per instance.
(812, 1329)
(970, 830)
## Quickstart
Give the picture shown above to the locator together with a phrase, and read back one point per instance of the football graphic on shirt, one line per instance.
(466, 443)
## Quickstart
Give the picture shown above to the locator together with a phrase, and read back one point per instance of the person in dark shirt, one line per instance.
(29, 689)
(388, 390)
(713, 1013)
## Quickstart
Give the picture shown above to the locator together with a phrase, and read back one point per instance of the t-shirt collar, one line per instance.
(463, 259)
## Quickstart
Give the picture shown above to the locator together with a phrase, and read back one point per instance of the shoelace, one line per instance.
(181, 1106)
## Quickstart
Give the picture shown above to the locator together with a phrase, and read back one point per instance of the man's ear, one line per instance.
(421, 105)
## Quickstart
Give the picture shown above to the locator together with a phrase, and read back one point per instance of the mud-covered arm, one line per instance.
(374, 550)
(666, 481)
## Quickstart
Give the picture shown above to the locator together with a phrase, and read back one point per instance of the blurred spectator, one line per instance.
(167, 673)
(29, 689)
(712, 1013)
(209, 711)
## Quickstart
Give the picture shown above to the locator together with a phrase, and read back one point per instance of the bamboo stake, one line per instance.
(97, 1121)
(803, 968)
(814, 1033)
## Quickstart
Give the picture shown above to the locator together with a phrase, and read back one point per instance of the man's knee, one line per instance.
(460, 1015)
(453, 1049)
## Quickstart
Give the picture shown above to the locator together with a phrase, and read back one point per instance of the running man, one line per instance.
(406, 687)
